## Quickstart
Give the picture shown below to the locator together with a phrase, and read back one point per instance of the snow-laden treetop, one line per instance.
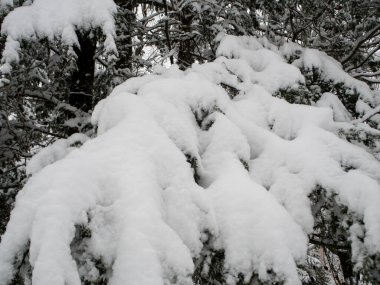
(53, 19)
(180, 168)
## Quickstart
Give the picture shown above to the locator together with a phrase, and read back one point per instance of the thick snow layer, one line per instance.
(54, 152)
(140, 186)
(180, 167)
(257, 64)
(332, 101)
(57, 19)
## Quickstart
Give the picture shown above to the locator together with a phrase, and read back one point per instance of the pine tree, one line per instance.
(53, 78)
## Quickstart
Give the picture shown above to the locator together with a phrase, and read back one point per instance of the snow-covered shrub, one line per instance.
(56, 20)
(203, 176)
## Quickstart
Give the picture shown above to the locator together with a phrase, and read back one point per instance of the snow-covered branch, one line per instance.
(180, 170)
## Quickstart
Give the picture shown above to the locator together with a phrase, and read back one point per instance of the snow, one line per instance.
(54, 152)
(371, 113)
(258, 159)
(53, 19)
(287, 122)
(5, 3)
(257, 64)
(138, 183)
(331, 70)
(253, 235)
(332, 101)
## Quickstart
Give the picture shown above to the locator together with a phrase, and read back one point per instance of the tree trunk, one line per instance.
(187, 44)
(81, 90)
(125, 22)
(347, 268)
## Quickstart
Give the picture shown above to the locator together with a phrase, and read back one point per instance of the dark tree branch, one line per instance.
(359, 42)
(167, 34)
(365, 59)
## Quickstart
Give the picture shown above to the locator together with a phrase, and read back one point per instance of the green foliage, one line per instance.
(92, 269)
(211, 269)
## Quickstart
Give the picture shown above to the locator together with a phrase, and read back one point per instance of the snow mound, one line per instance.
(181, 168)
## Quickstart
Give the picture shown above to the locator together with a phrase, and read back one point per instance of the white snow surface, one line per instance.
(332, 101)
(54, 152)
(258, 158)
(57, 19)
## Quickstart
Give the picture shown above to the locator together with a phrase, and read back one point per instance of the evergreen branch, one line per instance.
(368, 115)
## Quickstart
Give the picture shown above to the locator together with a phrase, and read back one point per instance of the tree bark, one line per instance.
(125, 21)
(347, 267)
(82, 84)
(187, 44)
